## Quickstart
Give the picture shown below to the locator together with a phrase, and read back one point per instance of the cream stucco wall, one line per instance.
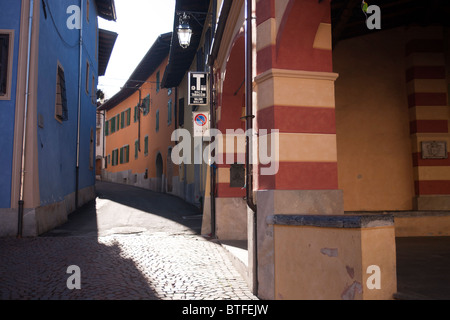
(373, 137)
(313, 263)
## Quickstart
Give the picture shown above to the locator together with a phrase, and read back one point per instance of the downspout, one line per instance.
(77, 170)
(212, 114)
(25, 116)
(139, 120)
(249, 128)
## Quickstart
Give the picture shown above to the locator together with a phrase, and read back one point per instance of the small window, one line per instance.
(61, 111)
(158, 86)
(146, 146)
(146, 105)
(136, 149)
(115, 157)
(128, 112)
(87, 10)
(181, 112)
(6, 51)
(113, 125)
(169, 112)
(157, 120)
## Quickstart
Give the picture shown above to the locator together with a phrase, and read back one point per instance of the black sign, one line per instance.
(198, 88)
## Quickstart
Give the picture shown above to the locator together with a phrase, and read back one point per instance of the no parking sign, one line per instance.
(201, 123)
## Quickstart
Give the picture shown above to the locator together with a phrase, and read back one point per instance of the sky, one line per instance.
(139, 23)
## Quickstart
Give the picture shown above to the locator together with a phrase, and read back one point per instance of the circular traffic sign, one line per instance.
(200, 120)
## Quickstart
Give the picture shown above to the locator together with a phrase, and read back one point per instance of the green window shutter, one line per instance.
(113, 125)
(121, 155)
(146, 104)
(136, 149)
(157, 120)
(127, 154)
(118, 122)
(157, 82)
(128, 117)
(135, 114)
(169, 112)
(107, 128)
(122, 120)
(146, 146)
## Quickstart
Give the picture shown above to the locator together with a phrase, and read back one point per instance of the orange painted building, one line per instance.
(138, 126)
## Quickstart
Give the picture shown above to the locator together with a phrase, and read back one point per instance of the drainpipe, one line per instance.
(139, 119)
(212, 114)
(24, 137)
(77, 172)
(249, 127)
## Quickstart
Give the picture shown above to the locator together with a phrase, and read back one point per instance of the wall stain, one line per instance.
(349, 292)
(329, 252)
(350, 271)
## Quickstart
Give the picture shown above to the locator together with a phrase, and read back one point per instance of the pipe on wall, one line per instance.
(249, 127)
(212, 114)
(80, 70)
(25, 116)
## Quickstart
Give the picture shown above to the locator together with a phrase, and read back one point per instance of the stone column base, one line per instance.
(334, 257)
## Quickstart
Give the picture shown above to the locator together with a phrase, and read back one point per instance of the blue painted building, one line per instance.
(51, 55)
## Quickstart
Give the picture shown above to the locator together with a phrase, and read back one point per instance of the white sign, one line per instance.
(201, 123)
(198, 88)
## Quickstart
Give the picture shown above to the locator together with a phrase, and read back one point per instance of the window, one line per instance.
(87, 77)
(118, 122)
(61, 111)
(146, 146)
(181, 112)
(158, 87)
(98, 135)
(169, 112)
(115, 157)
(6, 52)
(169, 91)
(136, 149)
(113, 125)
(157, 120)
(128, 112)
(87, 10)
(136, 115)
(146, 105)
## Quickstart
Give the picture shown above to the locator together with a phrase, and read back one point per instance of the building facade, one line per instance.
(49, 84)
(139, 122)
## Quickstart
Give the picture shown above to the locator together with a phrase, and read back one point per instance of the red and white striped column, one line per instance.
(429, 117)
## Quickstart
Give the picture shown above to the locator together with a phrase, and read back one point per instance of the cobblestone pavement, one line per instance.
(152, 264)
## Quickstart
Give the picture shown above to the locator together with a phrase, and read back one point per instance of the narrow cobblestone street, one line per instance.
(130, 244)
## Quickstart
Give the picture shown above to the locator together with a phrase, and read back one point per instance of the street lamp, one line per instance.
(184, 31)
